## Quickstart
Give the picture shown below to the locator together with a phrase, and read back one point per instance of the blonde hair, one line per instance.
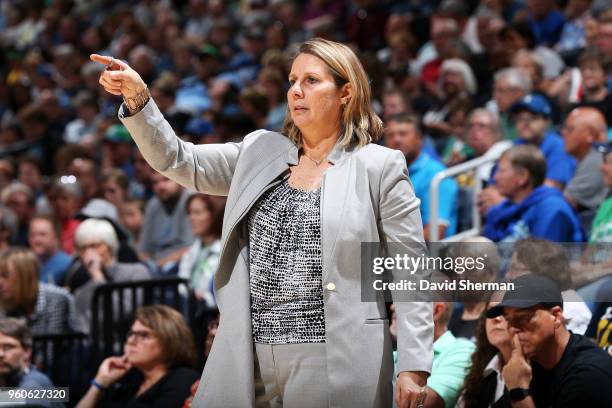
(22, 267)
(359, 123)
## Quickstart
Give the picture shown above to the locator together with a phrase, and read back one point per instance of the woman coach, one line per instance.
(293, 329)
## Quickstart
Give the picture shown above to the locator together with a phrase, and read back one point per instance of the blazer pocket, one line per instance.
(376, 321)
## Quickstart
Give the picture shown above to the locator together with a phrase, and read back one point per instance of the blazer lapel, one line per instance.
(251, 189)
(334, 189)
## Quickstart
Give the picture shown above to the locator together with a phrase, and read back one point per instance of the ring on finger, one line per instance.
(110, 64)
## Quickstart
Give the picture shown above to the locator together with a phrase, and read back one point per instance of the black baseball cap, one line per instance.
(529, 290)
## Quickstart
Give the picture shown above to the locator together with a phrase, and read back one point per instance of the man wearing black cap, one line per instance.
(550, 366)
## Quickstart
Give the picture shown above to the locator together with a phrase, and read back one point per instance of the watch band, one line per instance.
(519, 394)
(137, 102)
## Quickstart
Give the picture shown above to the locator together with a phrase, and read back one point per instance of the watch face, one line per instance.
(517, 394)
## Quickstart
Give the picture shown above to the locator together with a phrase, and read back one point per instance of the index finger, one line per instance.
(102, 59)
(516, 346)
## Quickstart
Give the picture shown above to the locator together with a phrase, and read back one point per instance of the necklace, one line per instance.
(316, 162)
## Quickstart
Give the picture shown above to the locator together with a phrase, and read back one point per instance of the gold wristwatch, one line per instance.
(137, 102)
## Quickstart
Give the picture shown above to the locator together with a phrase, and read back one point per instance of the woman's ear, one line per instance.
(346, 93)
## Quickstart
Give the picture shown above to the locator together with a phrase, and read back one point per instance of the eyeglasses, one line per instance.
(139, 335)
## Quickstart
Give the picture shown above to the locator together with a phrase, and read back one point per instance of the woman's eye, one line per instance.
(312, 80)
(291, 82)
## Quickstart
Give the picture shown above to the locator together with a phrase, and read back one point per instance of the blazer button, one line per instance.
(331, 286)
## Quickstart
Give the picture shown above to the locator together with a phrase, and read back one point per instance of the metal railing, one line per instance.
(434, 194)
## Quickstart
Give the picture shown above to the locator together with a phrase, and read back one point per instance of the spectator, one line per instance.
(156, 368)
(403, 133)
(456, 85)
(97, 246)
(603, 40)
(444, 34)
(115, 186)
(546, 21)
(600, 326)
(142, 185)
(541, 257)
(164, 90)
(585, 127)
(131, 214)
(200, 262)
(549, 365)
(20, 200)
(44, 242)
(532, 118)
(457, 150)
(464, 321)
(520, 36)
(601, 230)
(450, 363)
(594, 92)
(16, 368)
(531, 208)
(198, 131)
(395, 102)
(29, 172)
(484, 384)
(47, 308)
(166, 232)
(573, 36)
(86, 171)
(65, 198)
(485, 138)
(274, 87)
(511, 85)
(87, 119)
(254, 103)
(118, 149)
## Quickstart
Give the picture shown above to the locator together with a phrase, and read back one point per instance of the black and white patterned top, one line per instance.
(285, 266)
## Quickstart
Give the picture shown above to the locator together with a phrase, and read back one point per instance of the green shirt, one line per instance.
(601, 229)
(452, 360)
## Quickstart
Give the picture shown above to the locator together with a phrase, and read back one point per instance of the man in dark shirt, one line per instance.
(550, 366)
(15, 367)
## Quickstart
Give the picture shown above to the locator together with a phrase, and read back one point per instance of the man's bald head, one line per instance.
(591, 118)
(583, 127)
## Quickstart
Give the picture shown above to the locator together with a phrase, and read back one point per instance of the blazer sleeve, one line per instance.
(207, 168)
(402, 226)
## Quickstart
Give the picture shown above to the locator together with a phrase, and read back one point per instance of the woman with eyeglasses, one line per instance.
(155, 369)
(484, 384)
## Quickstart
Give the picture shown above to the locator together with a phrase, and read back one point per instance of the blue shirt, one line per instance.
(54, 270)
(542, 214)
(560, 166)
(548, 30)
(422, 172)
(193, 95)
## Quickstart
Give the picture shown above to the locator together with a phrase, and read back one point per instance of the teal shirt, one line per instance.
(452, 359)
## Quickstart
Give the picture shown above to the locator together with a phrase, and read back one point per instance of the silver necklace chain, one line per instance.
(316, 162)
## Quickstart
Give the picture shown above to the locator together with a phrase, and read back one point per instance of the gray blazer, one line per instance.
(366, 197)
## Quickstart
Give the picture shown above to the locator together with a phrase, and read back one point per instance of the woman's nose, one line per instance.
(296, 90)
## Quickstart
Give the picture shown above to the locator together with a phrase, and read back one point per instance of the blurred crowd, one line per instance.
(523, 84)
